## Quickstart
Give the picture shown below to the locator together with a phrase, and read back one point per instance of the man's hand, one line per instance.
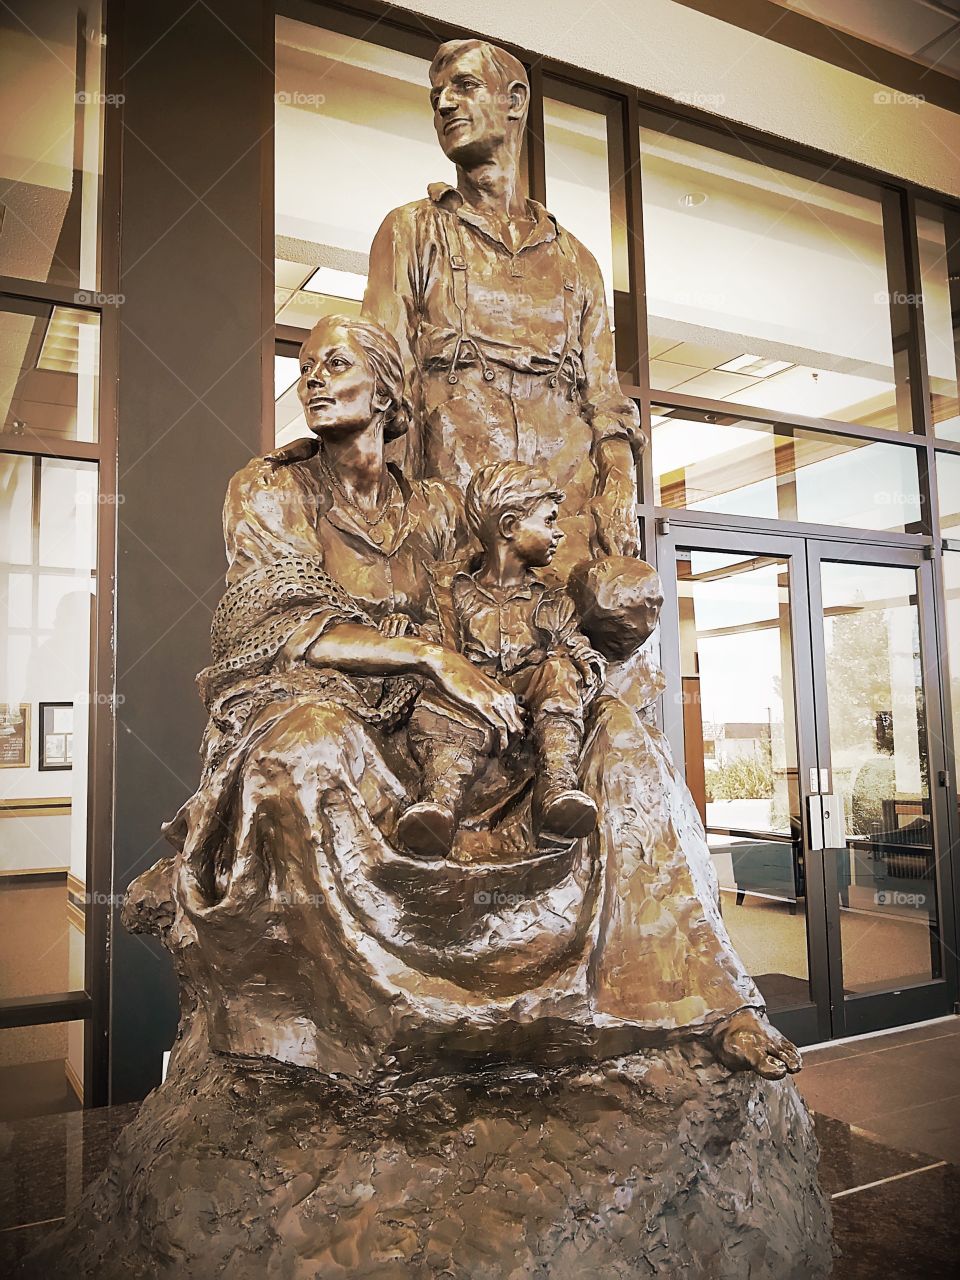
(615, 506)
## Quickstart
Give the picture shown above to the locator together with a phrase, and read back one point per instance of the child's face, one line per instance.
(536, 536)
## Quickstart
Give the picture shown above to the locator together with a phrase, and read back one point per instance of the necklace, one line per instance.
(387, 505)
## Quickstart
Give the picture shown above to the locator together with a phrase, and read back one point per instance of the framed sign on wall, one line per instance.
(56, 735)
(14, 735)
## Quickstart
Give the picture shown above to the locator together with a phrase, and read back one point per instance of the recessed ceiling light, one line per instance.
(68, 330)
(691, 199)
(754, 366)
(338, 284)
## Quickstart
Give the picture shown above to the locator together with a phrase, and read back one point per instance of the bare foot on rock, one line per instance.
(747, 1042)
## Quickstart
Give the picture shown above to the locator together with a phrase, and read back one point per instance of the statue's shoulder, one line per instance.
(407, 218)
(578, 253)
(270, 469)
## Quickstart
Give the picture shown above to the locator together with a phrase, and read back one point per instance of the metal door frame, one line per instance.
(809, 1023)
(857, 1014)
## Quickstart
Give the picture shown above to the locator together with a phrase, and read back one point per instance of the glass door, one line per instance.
(806, 714)
(880, 747)
(735, 621)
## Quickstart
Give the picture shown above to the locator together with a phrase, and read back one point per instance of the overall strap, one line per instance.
(571, 325)
(458, 264)
(450, 226)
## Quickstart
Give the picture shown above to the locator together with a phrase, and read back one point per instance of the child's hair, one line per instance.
(505, 488)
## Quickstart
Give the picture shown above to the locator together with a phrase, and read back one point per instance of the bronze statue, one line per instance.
(524, 635)
(443, 910)
(328, 653)
(501, 317)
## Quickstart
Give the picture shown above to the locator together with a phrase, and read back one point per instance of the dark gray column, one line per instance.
(195, 330)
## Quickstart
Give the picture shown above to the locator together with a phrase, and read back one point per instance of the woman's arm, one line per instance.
(360, 650)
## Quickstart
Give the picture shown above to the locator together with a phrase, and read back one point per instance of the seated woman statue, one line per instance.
(301, 928)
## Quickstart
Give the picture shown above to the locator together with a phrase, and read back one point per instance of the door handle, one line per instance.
(825, 815)
(815, 821)
(834, 832)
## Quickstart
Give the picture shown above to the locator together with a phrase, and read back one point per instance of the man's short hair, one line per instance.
(504, 65)
(505, 488)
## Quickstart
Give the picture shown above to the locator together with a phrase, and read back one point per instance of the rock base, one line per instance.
(658, 1164)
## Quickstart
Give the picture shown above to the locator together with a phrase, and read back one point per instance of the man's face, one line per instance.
(470, 109)
(535, 535)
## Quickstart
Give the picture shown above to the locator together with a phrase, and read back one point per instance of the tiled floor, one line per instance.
(887, 1115)
(902, 1088)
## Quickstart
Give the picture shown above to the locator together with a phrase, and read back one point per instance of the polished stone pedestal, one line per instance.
(662, 1163)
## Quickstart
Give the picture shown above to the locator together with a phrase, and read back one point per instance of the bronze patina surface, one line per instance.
(501, 317)
(308, 927)
(457, 996)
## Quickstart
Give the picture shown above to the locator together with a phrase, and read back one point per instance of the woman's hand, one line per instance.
(395, 624)
(467, 685)
(365, 651)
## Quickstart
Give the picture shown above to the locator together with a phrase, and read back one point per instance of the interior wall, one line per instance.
(690, 57)
(197, 118)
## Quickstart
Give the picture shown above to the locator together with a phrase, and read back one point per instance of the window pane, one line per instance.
(951, 575)
(766, 288)
(16, 508)
(48, 582)
(948, 491)
(577, 151)
(49, 370)
(52, 105)
(354, 139)
(41, 1072)
(290, 422)
(887, 870)
(938, 235)
(714, 462)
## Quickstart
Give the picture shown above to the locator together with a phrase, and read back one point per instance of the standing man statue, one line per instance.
(502, 319)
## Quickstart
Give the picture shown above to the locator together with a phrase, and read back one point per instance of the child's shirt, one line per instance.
(511, 631)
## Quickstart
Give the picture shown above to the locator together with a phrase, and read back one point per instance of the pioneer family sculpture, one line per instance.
(350, 734)
(433, 848)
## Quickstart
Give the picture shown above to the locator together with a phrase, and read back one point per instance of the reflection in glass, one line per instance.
(41, 1073)
(52, 106)
(719, 462)
(938, 237)
(49, 370)
(354, 139)
(740, 748)
(48, 518)
(766, 288)
(889, 926)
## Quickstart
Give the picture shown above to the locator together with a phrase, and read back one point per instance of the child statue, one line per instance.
(525, 635)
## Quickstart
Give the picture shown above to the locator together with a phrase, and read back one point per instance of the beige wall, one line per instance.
(665, 48)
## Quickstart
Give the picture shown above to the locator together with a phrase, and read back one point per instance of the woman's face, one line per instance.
(337, 387)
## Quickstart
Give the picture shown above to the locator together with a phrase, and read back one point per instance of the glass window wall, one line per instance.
(767, 287)
(583, 154)
(722, 463)
(51, 104)
(48, 524)
(354, 139)
(49, 370)
(938, 237)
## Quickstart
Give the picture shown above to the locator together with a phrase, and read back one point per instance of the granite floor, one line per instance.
(887, 1112)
